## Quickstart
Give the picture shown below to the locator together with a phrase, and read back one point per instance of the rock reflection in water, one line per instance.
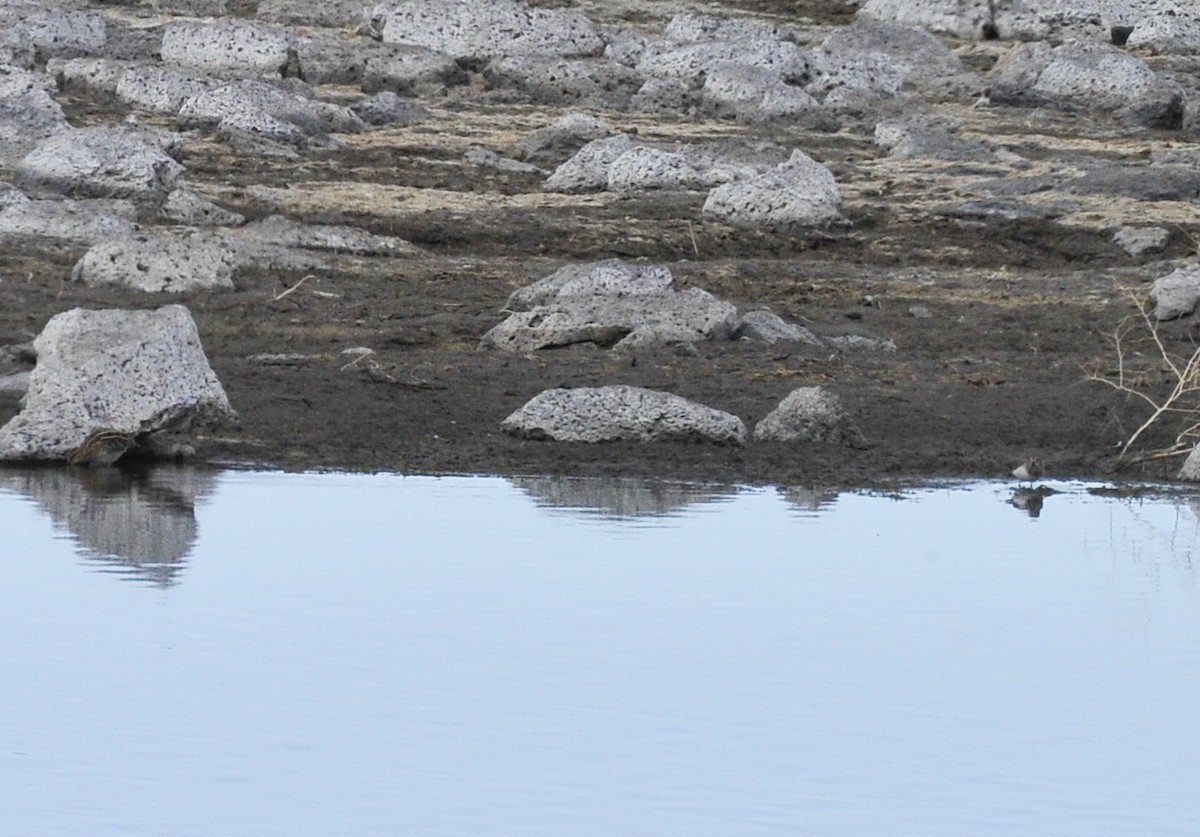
(142, 523)
(808, 499)
(619, 496)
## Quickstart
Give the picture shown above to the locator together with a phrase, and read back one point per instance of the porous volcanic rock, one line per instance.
(131, 371)
(160, 261)
(1176, 294)
(797, 194)
(227, 47)
(622, 413)
(79, 222)
(481, 29)
(809, 414)
(109, 162)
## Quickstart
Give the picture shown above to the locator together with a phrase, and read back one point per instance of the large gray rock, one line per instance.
(689, 27)
(622, 413)
(75, 222)
(587, 170)
(565, 136)
(58, 33)
(410, 70)
(249, 102)
(131, 371)
(644, 167)
(186, 207)
(553, 80)
(1173, 31)
(767, 327)
(331, 14)
(757, 95)
(477, 29)
(1176, 294)
(611, 278)
(160, 261)
(622, 322)
(1087, 76)
(160, 89)
(809, 414)
(920, 59)
(108, 162)
(693, 61)
(227, 47)
(798, 194)
(28, 113)
(963, 18)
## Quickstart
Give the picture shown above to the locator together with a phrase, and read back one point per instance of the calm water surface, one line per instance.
(192, 653)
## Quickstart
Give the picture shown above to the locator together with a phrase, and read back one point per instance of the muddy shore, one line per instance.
(997, 322)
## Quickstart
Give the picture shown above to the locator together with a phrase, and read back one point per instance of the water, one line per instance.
(200, 653)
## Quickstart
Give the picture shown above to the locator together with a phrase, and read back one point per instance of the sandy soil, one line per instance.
(1021, 310)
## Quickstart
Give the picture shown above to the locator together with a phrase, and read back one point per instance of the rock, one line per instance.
(410, 70)
(665, 96)
(1156, 182)
(621, 413)
(1086, 76)
(858, 343)
(227, 47)
(809, 414)
(689, 27)
(1176, 294)
(11, 196)
(1174, 31)
(961, 18)
(255, 105)
(160, 89)
(622, 322)
(757, 95)
(553, 80)
(160, 262)
(88, 75)
(77, 222)
(386, 108)
(907, 139)
(281, 231)
(765, 327)
(28, 113)
(643, 167)
(1190, 471)
(797, 194)
(920, 59)
(611, 278)
(564, 136)
(186, 207)
(56, 33)
(484, 158)
(1141, 241)
(108, 162)
(331, 14)
(131, 371)
(789, 63)
(482, 29)
(587, 171)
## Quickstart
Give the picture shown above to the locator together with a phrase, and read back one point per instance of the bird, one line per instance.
(1029, 470)
(101, 447)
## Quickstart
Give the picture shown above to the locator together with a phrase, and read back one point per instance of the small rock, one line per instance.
(186, 207)
(100, 162)
(80, 222)
(767, 327)
(621, 413)
(809, 414)
(1176, 294)
(386, 108)
(1141, 241)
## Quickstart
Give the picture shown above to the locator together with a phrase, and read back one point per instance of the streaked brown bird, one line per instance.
(101, 447)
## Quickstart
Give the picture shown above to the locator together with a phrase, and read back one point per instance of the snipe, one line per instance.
(101, 447)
